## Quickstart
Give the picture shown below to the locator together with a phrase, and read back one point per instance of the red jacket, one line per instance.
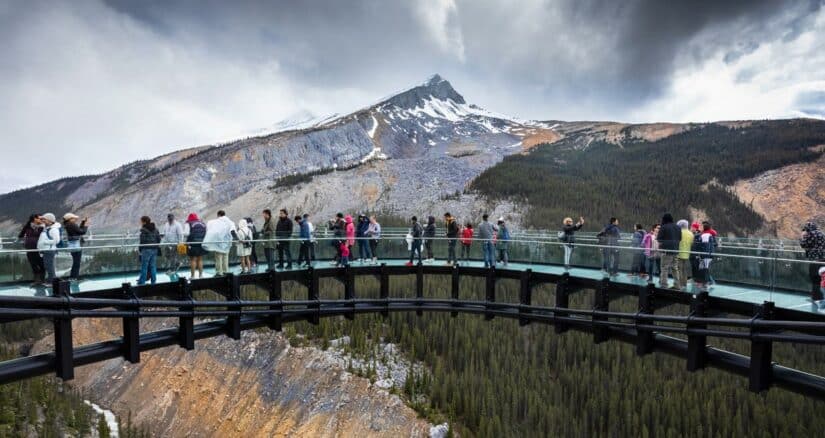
(467, 236)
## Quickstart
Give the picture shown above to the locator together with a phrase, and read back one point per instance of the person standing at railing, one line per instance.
(429, 236)
(349, 232)
(74, 238)
(821, 302)
(244, 246)
(503, 242)
(253, 256)
(338, 227)
(703, 246)
(486, 232)
(268, 234)
(416, 231)
(652, 255)
(374, 234)
(684, 253)
(47, 244)
(609, 237)
(639, 258)
(669, 238)
(194, 249)
(304, 235)
(172, 232)
(813, 242)
(466, 241)
(568, 236)
(361, 235)
(30, 235)
(283, 231)
(452, 235)
(219, 240)
(311, 227)
(149, 250)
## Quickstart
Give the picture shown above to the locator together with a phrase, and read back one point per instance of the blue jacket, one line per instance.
(503, 233)
(361, 230)
(304, 231)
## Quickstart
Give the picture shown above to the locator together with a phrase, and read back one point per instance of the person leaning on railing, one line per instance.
(452, 235)
(47, 244)
(813, 242)
(29, 235)
(149, 250)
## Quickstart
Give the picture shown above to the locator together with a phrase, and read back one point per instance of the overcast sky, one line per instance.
(86, 86)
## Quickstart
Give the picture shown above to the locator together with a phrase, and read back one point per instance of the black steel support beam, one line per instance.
(131, 327)
(384, 287)
(697, 344)
(186, 324)
(313, 294)
(562, 299)
(349, 291)
(274, 321)
(601, 301)
(455, 287)
(760, 376)
(490, 291)
(419, 286)
(233, 293)
(525, 295)
(644, 337)
(63, 349)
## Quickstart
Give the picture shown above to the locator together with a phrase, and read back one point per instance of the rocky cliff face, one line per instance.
(787, 196)
(398, 156)
(258, 386)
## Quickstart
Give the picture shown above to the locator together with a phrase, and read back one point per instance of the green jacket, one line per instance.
(685, 244)
(268, 234)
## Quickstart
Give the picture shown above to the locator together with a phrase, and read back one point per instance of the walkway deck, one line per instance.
(738, 292)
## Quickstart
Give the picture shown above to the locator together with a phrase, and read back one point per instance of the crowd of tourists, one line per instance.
(677, 249)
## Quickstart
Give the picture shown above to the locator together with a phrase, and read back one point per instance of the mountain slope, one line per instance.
(411, 148)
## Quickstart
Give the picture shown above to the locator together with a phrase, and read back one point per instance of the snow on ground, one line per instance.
(371, 132)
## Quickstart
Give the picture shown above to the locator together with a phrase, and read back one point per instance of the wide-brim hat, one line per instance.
(70, 216)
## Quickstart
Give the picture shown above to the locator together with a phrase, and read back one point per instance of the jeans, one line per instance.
(668, 265)
(489, 253)
(610, 260)
(344, 261)
(148, 265)
(428, 246)
(416, 248)
(312, 250)
(465, 252)
(48, 265)
(283, 247)
(639, 263)
(36, 263)
(451, 250)
(373, 248)
(568, 254)
(503, 252)
(303, 252)
(269, 253)
(221, 263)
(364, 250)
(654, 265)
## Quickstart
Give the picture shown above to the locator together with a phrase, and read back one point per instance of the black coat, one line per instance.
(283, 229)
(669, 237)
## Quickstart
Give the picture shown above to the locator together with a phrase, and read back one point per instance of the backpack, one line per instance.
(562, 236)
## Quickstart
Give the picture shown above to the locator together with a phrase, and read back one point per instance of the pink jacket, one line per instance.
(350, 229)
(650, 244)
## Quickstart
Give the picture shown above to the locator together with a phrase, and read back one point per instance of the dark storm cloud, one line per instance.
(115, 80)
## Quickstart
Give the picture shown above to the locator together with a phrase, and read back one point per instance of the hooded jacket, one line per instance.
(467, 236)
(363, 225)
(172, 233)
(49, 238)
(149, 237)
(452, 228)
(813, 242)
(350, 230)
(670, 235)
(429, 230)
(30, 235)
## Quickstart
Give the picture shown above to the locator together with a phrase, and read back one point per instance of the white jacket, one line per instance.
(219, 235)
(172, 233)
(49, 238)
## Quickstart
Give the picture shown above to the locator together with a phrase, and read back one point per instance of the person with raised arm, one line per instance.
(568, 236)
